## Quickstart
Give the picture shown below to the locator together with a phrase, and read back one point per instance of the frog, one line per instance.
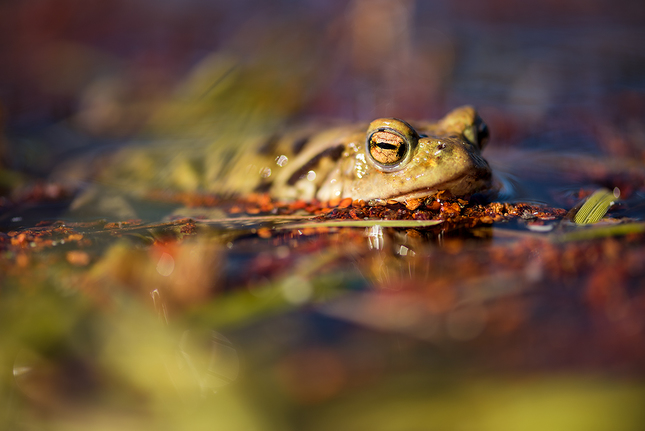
(388, 159)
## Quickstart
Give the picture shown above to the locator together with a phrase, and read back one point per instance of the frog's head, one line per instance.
(402, 162)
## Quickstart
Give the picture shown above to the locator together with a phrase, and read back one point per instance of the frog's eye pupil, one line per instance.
(387, 148)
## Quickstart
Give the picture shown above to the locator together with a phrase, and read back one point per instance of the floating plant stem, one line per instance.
(362, 223)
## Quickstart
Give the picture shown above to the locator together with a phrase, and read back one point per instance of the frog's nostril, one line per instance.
(440, 146)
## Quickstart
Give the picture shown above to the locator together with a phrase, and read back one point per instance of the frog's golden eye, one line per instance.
(390, 143)
(386, 147)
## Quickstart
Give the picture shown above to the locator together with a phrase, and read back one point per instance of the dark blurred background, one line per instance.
(106, 68)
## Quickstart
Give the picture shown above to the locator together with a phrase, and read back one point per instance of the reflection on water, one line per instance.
(253, 331)
(375, 237)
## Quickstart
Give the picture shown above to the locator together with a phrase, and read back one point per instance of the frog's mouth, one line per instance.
(416, 194)
(459, 186)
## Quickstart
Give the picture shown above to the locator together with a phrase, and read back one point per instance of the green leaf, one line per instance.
(596, 206)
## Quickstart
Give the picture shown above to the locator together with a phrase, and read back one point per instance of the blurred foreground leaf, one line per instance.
(595, 232)
(548, 403)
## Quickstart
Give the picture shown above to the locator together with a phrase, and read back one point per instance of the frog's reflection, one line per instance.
(417, 284)
(414, 254)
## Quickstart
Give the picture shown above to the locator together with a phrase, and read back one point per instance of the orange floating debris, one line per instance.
(413, 204)
(345, 203)
(333, 202)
